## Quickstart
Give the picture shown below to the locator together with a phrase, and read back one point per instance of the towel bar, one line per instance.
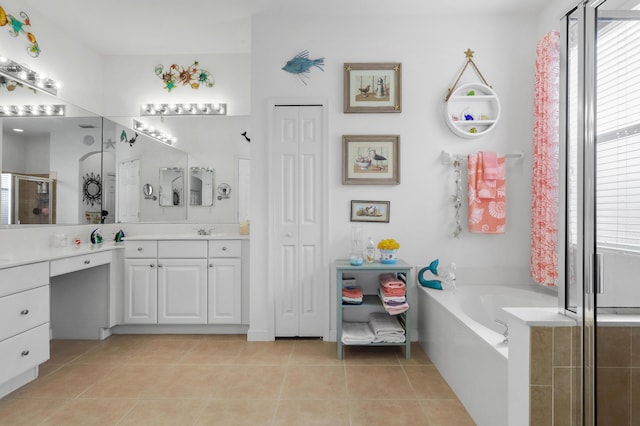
(447, 158)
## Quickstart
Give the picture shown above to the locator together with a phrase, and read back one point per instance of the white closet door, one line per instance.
(297, 175)
(129, 191)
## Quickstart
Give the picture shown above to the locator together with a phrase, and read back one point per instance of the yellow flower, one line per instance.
(388, 244)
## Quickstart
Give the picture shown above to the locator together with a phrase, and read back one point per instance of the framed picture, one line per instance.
(370, 211)
(373, 87)
(370, 159)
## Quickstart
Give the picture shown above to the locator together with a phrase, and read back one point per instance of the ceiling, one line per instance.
(134, 27)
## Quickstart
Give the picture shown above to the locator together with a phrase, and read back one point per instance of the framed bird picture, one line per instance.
(371, 159)
(372, 87)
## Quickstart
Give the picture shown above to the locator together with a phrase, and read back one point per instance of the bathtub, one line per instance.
(457, 329)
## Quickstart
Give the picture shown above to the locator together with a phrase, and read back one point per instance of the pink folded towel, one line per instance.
(390, 281)
(490, 165)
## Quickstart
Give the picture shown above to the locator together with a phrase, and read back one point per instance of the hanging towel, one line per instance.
(485, 188)
(486, 215)
(490, 165)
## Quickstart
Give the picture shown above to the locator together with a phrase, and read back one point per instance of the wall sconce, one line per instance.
(25, 75)
(183, 109)
(152, 132)
(31, 110)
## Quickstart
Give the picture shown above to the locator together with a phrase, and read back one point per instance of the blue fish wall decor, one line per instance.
(301, 65)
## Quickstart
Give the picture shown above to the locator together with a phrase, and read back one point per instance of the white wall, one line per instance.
(422, 217)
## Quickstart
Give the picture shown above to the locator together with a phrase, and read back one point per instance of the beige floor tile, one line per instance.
(418, 357)
(371, 355)
(65, 351)
(27, 412)
(251, 382)
(315, 353)
(164, 412)
(162, 350)
(312, 412)
(225, 412)
(116, 350)
(266, 353)
(446, 412)
(378, 382)
(86, 412)
(428, 383)
(187, 381)
(212, 351)
(386, 413)
(48, 368)
(65, 383)
(127, 381)
(314, 382)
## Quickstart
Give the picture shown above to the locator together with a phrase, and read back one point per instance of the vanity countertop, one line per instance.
(43, 254)
(194, 236)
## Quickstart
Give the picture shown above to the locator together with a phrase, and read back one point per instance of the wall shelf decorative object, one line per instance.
(472, 109)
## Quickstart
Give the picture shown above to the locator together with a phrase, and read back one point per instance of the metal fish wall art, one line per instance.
(301, 65)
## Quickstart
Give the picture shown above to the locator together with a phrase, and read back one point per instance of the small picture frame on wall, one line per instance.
(372, 87)
(370, 159)
(370, 211)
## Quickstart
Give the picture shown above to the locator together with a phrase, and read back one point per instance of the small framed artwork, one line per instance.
(370, 159)
(372, 87)
(370, 211)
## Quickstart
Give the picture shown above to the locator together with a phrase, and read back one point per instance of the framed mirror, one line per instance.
(201, 186)
(171, 186)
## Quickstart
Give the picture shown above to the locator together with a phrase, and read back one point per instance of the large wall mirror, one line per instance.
(46, 160)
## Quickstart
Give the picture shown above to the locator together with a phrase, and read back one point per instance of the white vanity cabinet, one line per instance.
(182, 282)
(141, 282)
(225, 282)
(24, 323)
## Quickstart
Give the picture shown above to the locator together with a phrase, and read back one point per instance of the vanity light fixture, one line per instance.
(184, 109)
(154, 133)
(31, 110)
(13, 71)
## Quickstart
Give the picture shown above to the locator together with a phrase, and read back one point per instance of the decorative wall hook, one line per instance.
(469, 55)
(245, 136)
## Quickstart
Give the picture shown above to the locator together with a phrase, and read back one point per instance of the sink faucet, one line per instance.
(212, 230)
(201, 231)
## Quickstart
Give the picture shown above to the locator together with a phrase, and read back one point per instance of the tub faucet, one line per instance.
(506, 330)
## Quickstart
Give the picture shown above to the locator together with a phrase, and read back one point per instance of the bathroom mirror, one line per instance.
(201, 186)
(171, 186)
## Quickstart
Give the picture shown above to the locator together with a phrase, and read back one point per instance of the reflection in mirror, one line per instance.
(134, 159)
(147, 190)
(44, 161)
(201, 186)
(171, 186)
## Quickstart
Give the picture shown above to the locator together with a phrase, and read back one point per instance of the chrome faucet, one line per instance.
(506, 330)
(201, 231)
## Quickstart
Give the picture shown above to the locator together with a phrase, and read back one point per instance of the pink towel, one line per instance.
(490, 165)
(486, 215)
(485, 188)
(390, 281)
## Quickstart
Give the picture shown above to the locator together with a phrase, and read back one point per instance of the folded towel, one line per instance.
(490, 165)
(391, 299)
(356, 333)
(352, 291)
(393, 292)
(391, 281)
(384, 324)
(396, 310)
(352, 300)
(390, 338)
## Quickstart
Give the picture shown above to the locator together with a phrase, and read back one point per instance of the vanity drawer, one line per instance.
(141, 249)
(77, 263)
(25, 277)
(24, 351)
(225, 248)
(23, 311)
(182, 249)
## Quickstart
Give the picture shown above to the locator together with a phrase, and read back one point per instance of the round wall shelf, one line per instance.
(473, 110)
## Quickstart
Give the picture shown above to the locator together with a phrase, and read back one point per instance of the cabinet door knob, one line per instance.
(86, 262)
(289, 234)
(24, 312)
(139, 248)
(211, 265)
(25, 352)
(152, 266)
(224, 248)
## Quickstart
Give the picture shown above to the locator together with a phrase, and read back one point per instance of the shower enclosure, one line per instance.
(601, 160)
(27, 199)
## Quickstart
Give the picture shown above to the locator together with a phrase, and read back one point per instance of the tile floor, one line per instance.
(225, 380)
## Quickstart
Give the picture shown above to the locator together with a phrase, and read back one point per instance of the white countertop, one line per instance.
(194, 236)
(41, 254)
(542, 317)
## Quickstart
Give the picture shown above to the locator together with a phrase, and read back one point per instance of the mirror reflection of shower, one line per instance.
(27, 199)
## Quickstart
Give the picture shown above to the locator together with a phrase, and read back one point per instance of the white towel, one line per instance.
(383, 324)
(356, 333)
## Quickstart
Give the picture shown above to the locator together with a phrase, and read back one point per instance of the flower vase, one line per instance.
(388, 256)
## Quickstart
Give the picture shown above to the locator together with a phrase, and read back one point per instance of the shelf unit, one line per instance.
(368, 274)
(484, 103)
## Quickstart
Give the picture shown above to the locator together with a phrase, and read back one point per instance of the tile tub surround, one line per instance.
(223, 379)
